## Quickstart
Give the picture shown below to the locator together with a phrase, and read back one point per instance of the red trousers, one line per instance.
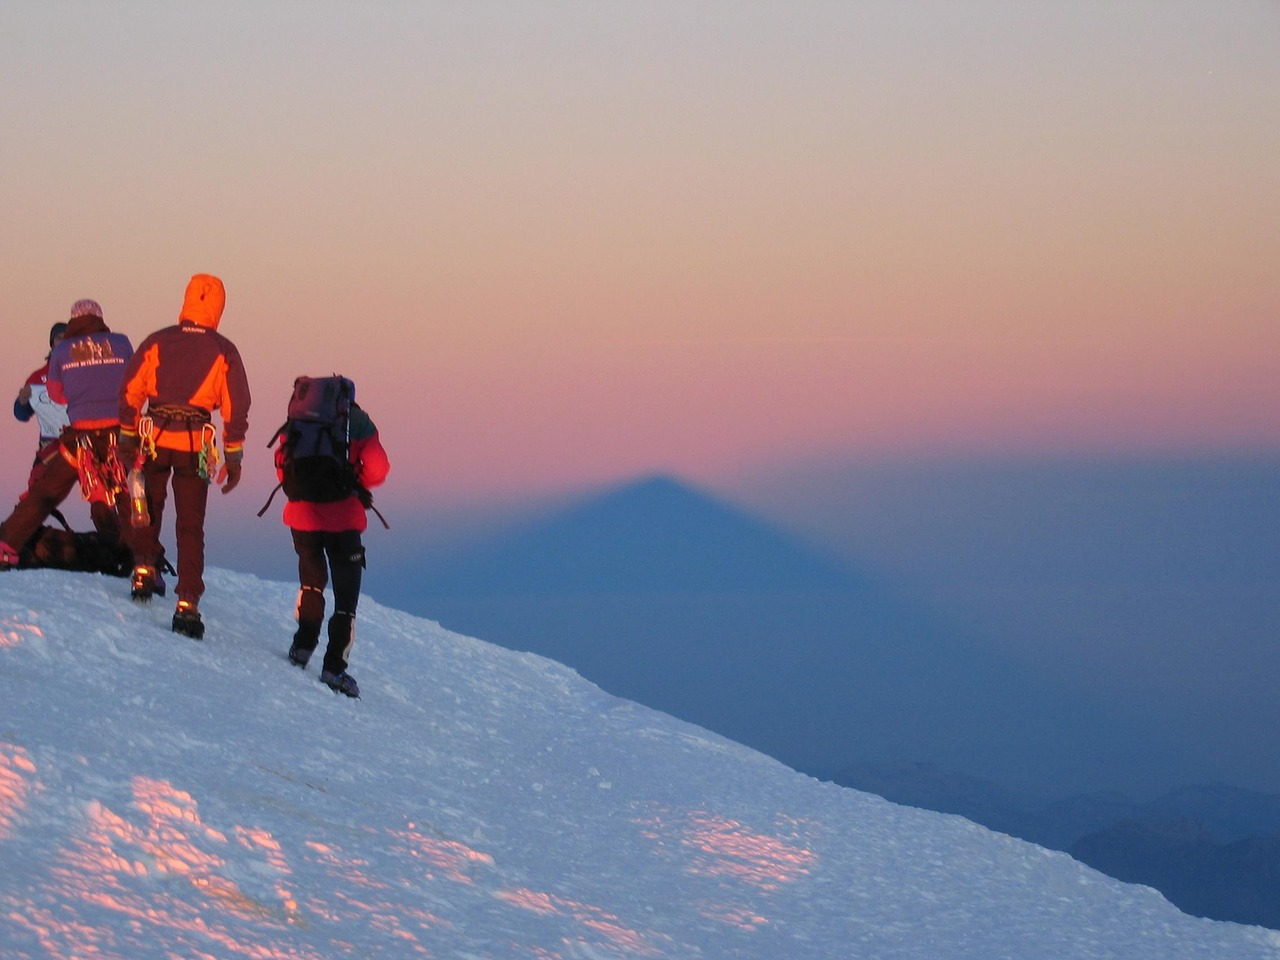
(190, 500)
(50, 488)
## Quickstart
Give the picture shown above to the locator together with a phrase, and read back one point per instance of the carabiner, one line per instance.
(208, 456)
(146, 438)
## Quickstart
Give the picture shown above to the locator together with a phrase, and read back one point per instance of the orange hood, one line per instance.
(204, 301)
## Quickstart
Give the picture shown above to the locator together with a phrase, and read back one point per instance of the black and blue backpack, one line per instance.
(316, 439)
(315, 442)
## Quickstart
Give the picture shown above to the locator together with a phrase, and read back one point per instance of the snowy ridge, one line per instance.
(164, 798)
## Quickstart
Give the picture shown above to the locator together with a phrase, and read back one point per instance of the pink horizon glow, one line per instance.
(690, 241)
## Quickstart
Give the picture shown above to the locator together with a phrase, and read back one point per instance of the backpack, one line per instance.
(315, 441)
(315, 445)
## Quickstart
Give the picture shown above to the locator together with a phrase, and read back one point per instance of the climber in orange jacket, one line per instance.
(177, 378)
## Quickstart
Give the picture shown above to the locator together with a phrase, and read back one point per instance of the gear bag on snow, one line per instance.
(58, 549)
(61, 548)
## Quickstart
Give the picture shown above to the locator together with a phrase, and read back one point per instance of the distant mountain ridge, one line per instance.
(1212, 849)
(1197, 872)
(1230, 813)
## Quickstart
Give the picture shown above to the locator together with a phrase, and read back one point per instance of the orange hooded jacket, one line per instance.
(188, 367)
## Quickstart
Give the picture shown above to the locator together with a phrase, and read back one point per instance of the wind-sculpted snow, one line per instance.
(162, 798)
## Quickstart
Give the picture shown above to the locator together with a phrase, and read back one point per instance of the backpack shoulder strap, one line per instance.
(280, 432)
(276, 489)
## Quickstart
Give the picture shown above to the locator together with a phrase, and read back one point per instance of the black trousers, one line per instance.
(321, 555)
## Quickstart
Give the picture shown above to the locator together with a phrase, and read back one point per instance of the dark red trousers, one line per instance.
(50, 488)
(190, 501)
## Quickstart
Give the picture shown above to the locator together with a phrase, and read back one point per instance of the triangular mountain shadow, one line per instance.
(652, 535)
(672, 598)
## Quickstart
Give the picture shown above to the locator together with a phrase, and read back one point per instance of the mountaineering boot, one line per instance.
(8, 556)
(342, 637)
(186, 620)
(143, 584)
(305, 639)
(341, 683)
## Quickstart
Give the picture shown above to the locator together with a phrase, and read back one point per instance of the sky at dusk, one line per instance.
(566, 243)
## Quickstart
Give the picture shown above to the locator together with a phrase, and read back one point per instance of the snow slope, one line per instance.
(162, 798)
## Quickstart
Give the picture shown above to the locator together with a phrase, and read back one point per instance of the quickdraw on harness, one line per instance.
(101, 478)
(146, 440)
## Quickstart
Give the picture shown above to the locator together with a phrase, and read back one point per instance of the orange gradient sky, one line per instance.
(562, 243)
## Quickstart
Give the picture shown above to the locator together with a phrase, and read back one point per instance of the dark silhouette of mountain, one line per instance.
(1212, 850)
(653, 535)
(1229, 812)
(665, 595)
(1194, 870)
